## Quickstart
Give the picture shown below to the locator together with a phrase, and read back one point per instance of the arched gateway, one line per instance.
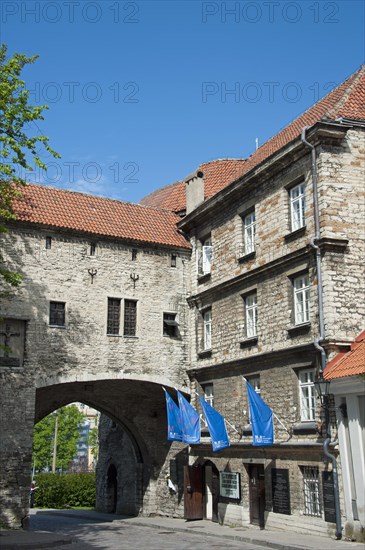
(101, 318)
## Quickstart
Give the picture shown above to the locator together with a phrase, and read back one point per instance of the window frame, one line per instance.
(127, 324)
(301, 297)
(249, 232)
(207, 329)
(56, 324)
(170, 325)
(297, 206)
(208, 397)
(307, 395)
(204, 257)
(119, 301)
(251, 309)
(311, 491)
(48, 242)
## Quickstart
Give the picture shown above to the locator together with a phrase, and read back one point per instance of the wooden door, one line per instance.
(193, 492)
(257, 495)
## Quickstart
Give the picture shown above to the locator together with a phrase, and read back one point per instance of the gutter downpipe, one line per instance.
(317, 345)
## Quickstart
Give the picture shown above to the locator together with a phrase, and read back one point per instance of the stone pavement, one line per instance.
(281, 540)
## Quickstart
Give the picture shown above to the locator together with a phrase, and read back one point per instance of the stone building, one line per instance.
(248, 268)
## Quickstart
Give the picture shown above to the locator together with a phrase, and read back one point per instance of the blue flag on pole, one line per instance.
(216, 425)
(261, 419)
(190, 421)
(174, 421)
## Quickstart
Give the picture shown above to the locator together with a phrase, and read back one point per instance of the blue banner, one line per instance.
(190, 421)
(216, 426)
(174, 421)
(261, 419)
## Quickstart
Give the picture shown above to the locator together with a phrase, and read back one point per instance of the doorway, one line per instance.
(211, 491)
(112, 489)
(257, 494)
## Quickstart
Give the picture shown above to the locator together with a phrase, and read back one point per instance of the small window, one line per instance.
(48, 243)
(57, 314)
(307, 395)
(312, 501)
(92, 249)
(130, 317)
(208, 393)
(249, 223)
(207, 321)
(297, 206)
(113, 323)
(251, 315)
(134, 254)
(301, 299)
(170, 325)
(173, 260)
(205, 257)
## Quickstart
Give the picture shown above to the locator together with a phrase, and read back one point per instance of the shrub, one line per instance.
(65, 490)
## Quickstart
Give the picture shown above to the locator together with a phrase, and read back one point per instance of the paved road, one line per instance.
(89, 535)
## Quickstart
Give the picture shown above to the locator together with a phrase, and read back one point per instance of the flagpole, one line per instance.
(233, 427)
(280, 422)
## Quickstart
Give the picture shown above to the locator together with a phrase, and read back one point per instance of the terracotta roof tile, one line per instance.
(346, 101)
(217, 174)
(99, 216)
(348, 364)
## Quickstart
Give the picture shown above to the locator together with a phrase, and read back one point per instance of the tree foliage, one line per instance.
(17, 148)
(69, 420)
(94, 442)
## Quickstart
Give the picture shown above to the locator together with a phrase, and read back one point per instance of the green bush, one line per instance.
(65, 490)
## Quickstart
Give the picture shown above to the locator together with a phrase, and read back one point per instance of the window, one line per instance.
(208, 393)
(207, 320)
(173, 260)
(134, 254)
(92, 249)
(170, 325)
(130, 317)
(255, 383)
(249, 223)
(251, 315)
(307, 395)
(301, 299)
(113, 316)
(57, 311)
(312, 501)
(48, 243)
(297, 206)
(205, 257)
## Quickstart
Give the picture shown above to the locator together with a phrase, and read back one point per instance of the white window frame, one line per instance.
(205, 257)
(207, 329)
(301, 299)
(208, 390)
(311, 489)
(297, 206)
(307, 394)
(251, 315)
(249, 223)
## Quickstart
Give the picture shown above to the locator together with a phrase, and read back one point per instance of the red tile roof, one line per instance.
(346, 101)
(58, 208)
(348, 364)
(217, 174)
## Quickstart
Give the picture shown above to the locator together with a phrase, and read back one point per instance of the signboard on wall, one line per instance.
(230, 485)
(280, 491)
(328, 497)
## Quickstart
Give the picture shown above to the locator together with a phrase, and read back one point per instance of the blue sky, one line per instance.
(141, 92)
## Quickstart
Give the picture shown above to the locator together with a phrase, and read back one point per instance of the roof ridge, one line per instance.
(354, 77)
(356, 74)
(99, 197)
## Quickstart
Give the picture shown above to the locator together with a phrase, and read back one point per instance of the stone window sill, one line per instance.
(247, 257)
(305, 428)
(204, 354)
(295, 234)
(203, 277)
(57, 326)
(248, 342)
(299, 329)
